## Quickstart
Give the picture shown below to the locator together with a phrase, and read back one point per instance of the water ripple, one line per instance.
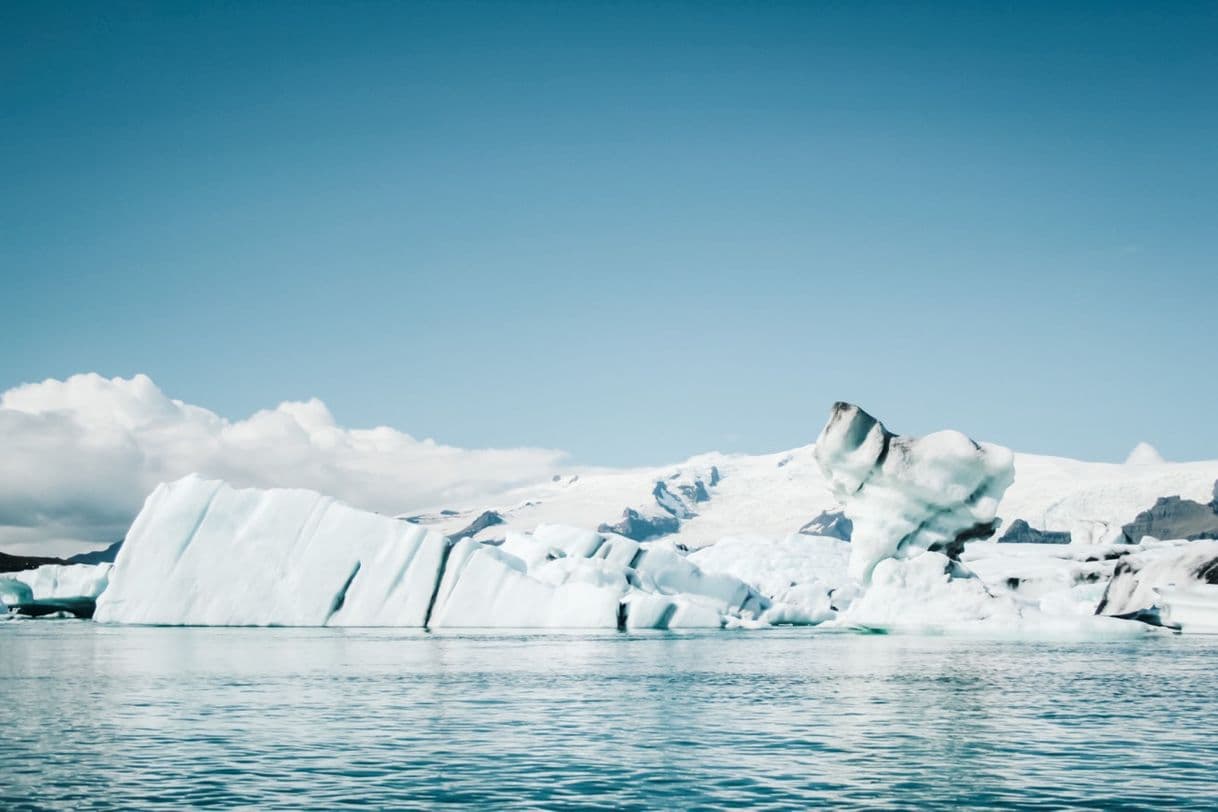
(96, 717)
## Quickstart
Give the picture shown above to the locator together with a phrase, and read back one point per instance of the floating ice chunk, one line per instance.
(594, 571)
(905, 494)
(662, 569)
(1191, 609)
(568, 541)
(55, 589)
(921, 593)
(14, 592)
(58, 581)
(204, 553)
(485, 587)
(1142, 580)
(648, 611)
(798, 574)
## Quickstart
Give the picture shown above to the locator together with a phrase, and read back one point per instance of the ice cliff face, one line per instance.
(905, 495)
(204, 553)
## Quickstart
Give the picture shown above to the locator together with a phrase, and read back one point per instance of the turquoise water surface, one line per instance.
(96, 716)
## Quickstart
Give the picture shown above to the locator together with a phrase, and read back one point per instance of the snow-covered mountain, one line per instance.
(713, 496)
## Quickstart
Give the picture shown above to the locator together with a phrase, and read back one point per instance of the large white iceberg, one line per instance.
(204, 553)
(905, 495)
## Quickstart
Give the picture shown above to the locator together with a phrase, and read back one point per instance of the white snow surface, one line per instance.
(773, 495)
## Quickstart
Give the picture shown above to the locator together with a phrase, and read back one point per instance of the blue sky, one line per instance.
(632, 231)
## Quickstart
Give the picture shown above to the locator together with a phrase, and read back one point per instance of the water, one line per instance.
(107, 717)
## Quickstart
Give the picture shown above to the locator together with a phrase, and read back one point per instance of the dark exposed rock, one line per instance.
(675, 498)
(488, 518)
(832, 523)
(105, 556)
(634, 525)
(695, 493)
(1174, 518)
(1020, 532)
(17, 563)
(670, 502)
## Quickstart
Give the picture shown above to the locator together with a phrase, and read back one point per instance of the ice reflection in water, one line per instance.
(123, 717)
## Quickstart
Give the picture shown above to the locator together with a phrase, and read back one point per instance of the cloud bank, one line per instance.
(77, 458)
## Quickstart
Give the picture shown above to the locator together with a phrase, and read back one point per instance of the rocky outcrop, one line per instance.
(105, 556)
(831, 523)
(1020, 532)
(19, 563)
(488, 518)
(1174, 518)
(634, 525)
(676, 500)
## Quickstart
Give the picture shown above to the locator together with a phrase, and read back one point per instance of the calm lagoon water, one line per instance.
(107, 717)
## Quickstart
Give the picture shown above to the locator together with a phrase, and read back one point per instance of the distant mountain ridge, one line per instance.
(18, 563)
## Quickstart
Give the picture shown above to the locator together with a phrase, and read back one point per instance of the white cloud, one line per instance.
(77, 458)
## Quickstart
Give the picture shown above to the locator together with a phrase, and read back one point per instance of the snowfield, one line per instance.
(713, 542)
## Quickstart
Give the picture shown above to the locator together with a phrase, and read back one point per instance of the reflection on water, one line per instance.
(122, 717)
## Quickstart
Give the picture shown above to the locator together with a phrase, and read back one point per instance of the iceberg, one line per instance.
(52, 589)
(800, 575)
(905, 495)
(905, 536)
(203, 553)
(1175, 585)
